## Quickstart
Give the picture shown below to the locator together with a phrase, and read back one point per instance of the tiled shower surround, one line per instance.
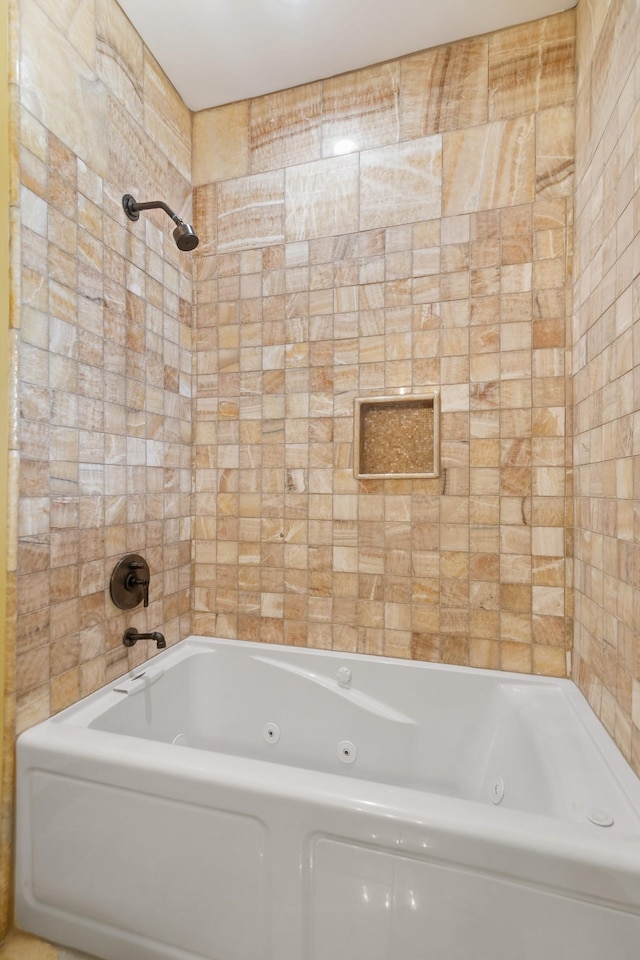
(101, 317)
(606, 368)
(104, 353)
(434, 254)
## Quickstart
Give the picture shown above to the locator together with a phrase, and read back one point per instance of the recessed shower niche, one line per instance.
(397, 436)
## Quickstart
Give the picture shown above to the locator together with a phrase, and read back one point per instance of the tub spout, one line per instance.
(131, 637)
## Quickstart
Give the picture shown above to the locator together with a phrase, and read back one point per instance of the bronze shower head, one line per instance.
(184, 234)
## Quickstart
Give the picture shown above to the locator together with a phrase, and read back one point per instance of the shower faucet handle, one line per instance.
(133, 581)
(130, 582)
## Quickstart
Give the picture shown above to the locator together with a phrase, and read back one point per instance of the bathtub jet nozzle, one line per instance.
(184, 235)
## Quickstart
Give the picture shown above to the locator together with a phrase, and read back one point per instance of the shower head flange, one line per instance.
(130, 207)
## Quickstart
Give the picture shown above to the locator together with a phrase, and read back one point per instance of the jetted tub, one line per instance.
(241, 801)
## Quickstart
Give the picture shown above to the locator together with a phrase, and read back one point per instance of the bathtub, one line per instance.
(242, 801)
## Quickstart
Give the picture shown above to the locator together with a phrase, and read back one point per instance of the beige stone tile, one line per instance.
(548, 600)
(322, 198)
(590, 16)
(489, 166)
(32, 707)
(65, 690)
(615, 53)
(284, 128)
(32, 669)
(168, 123)
(361, 110)
(555, 151)
(77, 22)
(401, 183)
(531, 66)
(74, 107)
(120, 56)
(251, 211)
(444, 89)
(484, 653)
(515, 656)
(205, 219)
(549, 661)
(32, 136)
(134, 163)
(221, 143)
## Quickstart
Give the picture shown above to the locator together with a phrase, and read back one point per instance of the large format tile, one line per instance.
(322, 198)
(489, 166)
(70, 101)
(221, 143)
(361, 110)
(120, 56)
(251, 211)
(284, 128)
(401, 183)
(444, 89)
(531, 66)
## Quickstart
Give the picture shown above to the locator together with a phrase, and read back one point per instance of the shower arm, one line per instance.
(184, 235)
(132, 208)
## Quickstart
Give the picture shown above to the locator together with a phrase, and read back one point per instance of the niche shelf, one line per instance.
(397, 437)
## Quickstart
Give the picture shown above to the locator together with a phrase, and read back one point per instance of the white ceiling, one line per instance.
(218, 51)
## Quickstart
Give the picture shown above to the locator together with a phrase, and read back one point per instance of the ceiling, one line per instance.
(218, 51)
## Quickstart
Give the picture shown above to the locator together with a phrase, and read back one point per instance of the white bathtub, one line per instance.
(238, 801)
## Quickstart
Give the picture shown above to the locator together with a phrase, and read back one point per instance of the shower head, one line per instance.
(184, 234)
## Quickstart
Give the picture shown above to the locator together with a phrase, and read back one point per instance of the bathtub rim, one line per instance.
(79, 715)
(571, 860)
(81, 712)
(155, 666)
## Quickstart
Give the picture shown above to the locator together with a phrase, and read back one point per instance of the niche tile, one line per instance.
(397, 436)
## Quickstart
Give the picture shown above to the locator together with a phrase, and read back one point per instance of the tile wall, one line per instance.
(102, 331)
(402, 227)
(403, 264)
(104, 348)
(606, 367)
(433, 253)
